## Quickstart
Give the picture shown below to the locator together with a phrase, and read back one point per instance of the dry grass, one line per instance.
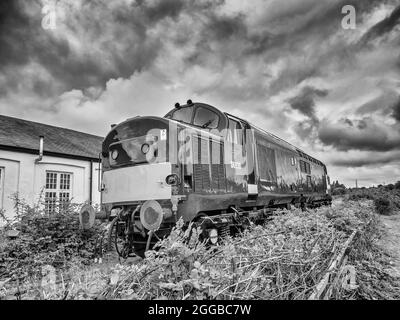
(285, 259)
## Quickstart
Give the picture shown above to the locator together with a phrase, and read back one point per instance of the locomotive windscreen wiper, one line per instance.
(207, 123)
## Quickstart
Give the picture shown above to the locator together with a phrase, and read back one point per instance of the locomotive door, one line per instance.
(266, 166)
(236, 157)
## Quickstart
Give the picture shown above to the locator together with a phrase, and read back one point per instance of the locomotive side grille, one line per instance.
(205, 163)
(215, 176)
(205, 170)
(221, 178)
(198, 180)
(221, 170)
(197, 174)
(208, 167)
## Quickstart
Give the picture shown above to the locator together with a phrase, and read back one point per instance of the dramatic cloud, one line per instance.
(364, 134)
(287, 66)
(385, 104)
(365, 159)
(383, 27)
(396, 110)
(305, 103)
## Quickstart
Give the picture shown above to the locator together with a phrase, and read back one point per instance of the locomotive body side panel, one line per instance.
(276, 176)
(287, 171)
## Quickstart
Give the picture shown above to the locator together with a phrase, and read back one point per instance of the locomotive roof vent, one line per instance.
(189, 102)
(177, 105)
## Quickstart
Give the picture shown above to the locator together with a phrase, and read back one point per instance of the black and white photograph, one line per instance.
(199, 155)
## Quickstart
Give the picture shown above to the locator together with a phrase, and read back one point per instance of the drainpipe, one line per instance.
(41, 138)
(91, 182)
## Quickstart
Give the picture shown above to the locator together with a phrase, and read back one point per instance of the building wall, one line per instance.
(21, 174)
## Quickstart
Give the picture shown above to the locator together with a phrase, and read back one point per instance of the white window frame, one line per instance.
(57, 190)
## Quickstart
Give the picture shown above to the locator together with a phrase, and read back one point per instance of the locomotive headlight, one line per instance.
(172, 179)
(213, 235)
(145, 148)
(114, 154)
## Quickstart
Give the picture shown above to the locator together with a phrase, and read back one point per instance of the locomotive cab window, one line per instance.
(206, 118)
(235, 131)
(183, 114)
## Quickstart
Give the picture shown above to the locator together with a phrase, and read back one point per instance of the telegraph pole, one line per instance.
(356, 184)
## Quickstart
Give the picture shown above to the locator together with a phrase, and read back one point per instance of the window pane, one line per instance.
(183, 114)
(65, 181)
(64, 196)
(51, 180)
(50, 202)
(236, 131)
(64, 200)
(206, 118)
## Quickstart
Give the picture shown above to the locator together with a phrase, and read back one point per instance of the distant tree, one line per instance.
(336, 184)
(338, 188)
(338, 191)
(397, 185)
(390, 186)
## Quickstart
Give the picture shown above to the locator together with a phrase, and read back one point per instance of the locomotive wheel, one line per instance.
(115, 241)
(139, 246)
(197, 222)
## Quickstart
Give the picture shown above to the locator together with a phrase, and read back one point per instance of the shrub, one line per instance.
(54, 240)
(338, 191)
(383, 206)
(390, 186)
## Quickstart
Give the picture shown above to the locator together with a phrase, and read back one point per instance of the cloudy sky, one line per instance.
(285, 65)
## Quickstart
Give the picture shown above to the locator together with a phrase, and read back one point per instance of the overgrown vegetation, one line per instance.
(386, 200)
(33, 241)
(372, 263)
(284, 259)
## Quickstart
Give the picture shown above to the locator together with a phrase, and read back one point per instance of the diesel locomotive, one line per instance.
(202, 165)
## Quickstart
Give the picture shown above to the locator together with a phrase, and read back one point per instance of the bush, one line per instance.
(383, 206)
(390, 186)
(338, 191)
(54, 240)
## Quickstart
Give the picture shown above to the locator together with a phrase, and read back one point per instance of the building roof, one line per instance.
(23, 135)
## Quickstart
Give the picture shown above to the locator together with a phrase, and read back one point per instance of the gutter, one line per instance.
(41, 138)
(91, 183)
(48, 153)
